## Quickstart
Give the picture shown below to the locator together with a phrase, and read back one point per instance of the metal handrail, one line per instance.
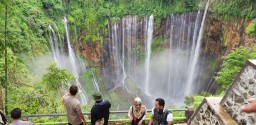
(87, 113)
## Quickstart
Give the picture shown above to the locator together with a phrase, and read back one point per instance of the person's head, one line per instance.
(16, 113)
(159, 103)
(73, 90)
(97, 96)
(137, 103)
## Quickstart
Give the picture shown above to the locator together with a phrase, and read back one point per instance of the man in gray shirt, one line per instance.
(16, 115)
(72, 105)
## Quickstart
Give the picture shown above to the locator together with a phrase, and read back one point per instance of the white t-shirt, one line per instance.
(20, 122)
(169, 116)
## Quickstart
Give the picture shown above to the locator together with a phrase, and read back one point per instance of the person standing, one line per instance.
(100, 110)
(160, 115)
(16, 115)
(137, 113)
(73, 107)
(3, 120)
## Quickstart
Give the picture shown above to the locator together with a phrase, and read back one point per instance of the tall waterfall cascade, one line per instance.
(194, 62)
(71, 62)
(173, 73)
(148, 35)
(119, 55)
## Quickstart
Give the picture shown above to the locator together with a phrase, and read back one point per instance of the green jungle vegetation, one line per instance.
(27, 44)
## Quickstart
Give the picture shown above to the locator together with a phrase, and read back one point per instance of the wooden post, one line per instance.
(189, 112)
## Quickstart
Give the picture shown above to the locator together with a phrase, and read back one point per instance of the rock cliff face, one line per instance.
(90, 50)
(221, 36)
(214, 36)
(224, 36)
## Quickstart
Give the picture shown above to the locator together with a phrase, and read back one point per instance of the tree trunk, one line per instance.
(1, 98)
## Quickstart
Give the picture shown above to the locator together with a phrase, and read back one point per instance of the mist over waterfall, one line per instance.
(165, 74)
(170, 70)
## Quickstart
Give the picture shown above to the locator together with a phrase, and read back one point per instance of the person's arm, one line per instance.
(63, 100)
(130, 115)
(169, 123)
(152, 118)
(144, 108)
(80, 113)
(169, 119)
(82, 117)
(250, 107)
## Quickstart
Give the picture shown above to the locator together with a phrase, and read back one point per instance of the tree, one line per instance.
(233, 64)
(56, 78)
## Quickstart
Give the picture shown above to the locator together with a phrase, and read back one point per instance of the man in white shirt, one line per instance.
(16, 115)
(160, 115)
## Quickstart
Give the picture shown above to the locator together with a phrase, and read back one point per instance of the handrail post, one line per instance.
(189, 112)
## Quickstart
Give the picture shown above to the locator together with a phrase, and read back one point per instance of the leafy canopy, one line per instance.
(233, 64)
(56, 77)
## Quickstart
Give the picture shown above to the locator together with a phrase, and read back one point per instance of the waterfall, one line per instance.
(54, 47)
(183, 28)
(95, 83)
(193, 67)
(61, 43)
(148, 41)
(73, 65)
(171, 73)
(82, 65)
(119, 55)
(70, 51)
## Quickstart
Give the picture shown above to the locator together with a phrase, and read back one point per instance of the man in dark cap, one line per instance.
(100, 110)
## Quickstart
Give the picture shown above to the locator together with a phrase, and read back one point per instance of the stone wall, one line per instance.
(227, 110)
(210, 112)
(206, 116)
(243, 88)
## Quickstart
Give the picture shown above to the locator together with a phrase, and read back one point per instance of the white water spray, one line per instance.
(192, 70)
(73, 64)
(148, 41)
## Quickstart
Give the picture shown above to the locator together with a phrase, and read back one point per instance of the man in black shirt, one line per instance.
(100, 110)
